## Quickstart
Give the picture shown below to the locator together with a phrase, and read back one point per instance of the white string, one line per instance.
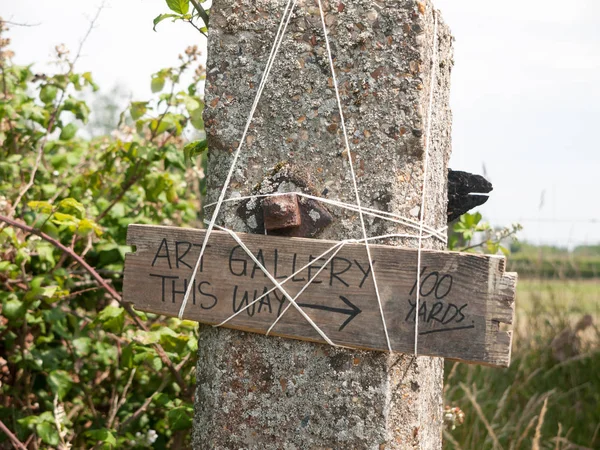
(282, 283)
(277, 43)
(277, 284)
(306, 266)
(358, 207)
(338, 245)
(394, 218)
(423, 197)
(306, 286)
(358, 204)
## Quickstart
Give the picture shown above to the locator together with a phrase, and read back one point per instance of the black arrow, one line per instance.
(351, 313)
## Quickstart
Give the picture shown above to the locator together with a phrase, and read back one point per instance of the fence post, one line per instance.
(270, 393)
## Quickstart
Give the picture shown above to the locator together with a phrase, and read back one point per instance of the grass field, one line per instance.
(550, 396)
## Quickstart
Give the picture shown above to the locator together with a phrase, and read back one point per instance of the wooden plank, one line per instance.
(464, 297)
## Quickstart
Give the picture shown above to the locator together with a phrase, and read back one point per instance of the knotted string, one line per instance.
(358, 207)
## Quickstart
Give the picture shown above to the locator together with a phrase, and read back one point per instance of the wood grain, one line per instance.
(464, 297)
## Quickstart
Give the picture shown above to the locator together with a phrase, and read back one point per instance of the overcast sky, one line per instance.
(525, 92)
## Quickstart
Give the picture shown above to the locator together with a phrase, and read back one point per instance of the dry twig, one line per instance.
(481, 415)
(538, 429)
(13, 439)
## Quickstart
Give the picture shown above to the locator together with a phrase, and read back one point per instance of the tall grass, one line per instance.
(549, 398)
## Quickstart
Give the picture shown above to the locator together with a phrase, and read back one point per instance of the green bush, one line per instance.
(77, 366)
(555, 266)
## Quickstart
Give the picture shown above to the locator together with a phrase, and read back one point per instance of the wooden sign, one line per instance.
(464, 298)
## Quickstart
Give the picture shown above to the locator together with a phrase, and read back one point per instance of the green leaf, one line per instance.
(174, 157)
(172, 196)
(60, 382)
(68, 132)
(9, 235)
(140, 355)
(48, 189)
(118, 210)
(77, 107)
(138, 109)
(87, 76)
(127, 356)
(492, 247)
(45, 252)
(168, 122)
(452, 242)
(43, 207)
(156, 364)
(28, 421)
(159, 127)
(180, 418)
(179, 6)
(5, 266)
(87, 226)
(194, 149)
(72, 206)
(193, 345)
(39, 292)
(158, 19)
(74, 79)
(23, 256)
(112, 318)
(152, 337)
(66, 220)
(82, 346)
(48, 291)
(191, 102)
(163, 400)
(34, 112)
(48, 433)
(196, 119)
(157, 84)
(169, 339)
(14, 309)
(103, 435)
(48, 93)
(13, 159)
(139, 126)
(175, 344)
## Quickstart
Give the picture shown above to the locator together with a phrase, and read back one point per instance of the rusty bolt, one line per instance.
(281, 212)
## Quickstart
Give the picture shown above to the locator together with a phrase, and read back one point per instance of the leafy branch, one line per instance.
(472, 233)
(181, 12)
(148, 400)
(63, 324)
(57, 110)
(105, 285)
(201, 12)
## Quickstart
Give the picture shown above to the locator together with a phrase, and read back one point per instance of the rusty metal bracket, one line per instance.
(281, 213)
(285, 215)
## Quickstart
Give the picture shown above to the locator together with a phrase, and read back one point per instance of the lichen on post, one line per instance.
(270, 393)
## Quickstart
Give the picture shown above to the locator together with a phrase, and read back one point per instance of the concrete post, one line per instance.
(271, 393)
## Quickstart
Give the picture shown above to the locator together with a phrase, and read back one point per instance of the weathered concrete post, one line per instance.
(271, 393)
